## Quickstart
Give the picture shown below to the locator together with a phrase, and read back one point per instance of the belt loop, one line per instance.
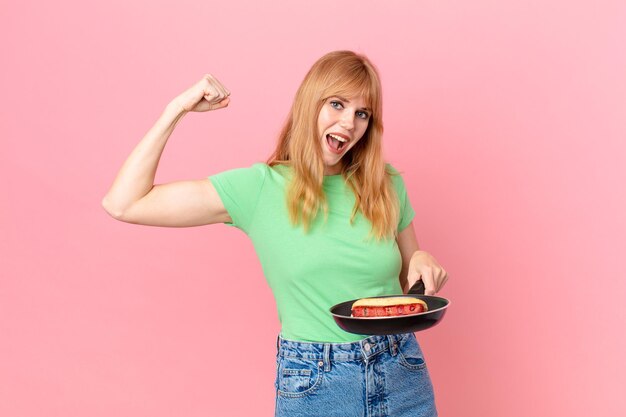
(393, 345)
(327, 357)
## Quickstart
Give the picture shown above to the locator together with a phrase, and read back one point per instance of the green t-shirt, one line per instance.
(309, 273)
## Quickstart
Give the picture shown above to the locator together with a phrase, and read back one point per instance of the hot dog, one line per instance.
(388, 306)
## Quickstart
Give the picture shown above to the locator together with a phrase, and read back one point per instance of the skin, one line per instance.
(346, 116)
(135, 198)
(418, 264)
(349, 116)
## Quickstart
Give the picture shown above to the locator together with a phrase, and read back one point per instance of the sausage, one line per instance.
(388, 307)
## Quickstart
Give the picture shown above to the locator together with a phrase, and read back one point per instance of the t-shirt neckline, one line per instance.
(334, 180)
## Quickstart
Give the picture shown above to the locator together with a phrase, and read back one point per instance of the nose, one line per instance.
(347, 121)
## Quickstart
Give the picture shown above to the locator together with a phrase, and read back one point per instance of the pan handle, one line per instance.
(417, 288)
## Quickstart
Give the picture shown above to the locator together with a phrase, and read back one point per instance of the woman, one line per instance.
(329, 220)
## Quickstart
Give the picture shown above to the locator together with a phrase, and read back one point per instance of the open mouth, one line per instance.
(335, 142)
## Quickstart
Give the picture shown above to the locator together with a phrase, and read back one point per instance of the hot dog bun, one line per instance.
(388, 306)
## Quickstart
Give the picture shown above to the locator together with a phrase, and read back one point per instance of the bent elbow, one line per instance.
(113, 211)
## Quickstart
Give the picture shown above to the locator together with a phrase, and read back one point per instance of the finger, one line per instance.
(220, 94)
(217, 85)
(207, 82)
(219, 105)
(212, 95)
(442, 277)
(210, 92)
(443, 283)
(223, 103)
(222, 89)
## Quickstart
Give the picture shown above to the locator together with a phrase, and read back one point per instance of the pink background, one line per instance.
(506, 118)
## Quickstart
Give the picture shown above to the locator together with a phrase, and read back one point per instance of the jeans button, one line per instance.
(320, 363)
(367, 347)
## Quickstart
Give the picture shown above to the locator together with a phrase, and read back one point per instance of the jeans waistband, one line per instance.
(340, 352)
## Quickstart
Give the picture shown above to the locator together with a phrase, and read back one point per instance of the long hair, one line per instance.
(339, 73)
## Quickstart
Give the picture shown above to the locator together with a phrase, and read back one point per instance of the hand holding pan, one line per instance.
(417, 288)
(342, 313)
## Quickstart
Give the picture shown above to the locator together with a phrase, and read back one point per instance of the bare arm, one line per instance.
(134, 198)
(407, 243)
(418, 265)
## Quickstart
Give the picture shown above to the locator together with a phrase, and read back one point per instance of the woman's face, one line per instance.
(341, 124)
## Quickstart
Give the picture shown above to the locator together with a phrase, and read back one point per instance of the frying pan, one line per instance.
(392, 325)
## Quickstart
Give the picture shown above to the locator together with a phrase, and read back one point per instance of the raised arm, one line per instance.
(134, 198)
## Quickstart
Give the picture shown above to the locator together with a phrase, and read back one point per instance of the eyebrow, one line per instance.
(348, 101)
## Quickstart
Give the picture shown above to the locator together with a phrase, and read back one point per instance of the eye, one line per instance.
(336, 104)
(362, 115)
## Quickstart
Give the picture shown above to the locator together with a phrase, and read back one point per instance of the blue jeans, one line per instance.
(378, 376)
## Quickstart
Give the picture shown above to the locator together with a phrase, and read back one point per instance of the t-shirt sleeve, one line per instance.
(406, 209)
(240, 189)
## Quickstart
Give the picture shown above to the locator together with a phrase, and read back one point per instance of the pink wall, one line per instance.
(507, 119)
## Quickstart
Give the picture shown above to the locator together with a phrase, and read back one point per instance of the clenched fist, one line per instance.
(205, 95)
